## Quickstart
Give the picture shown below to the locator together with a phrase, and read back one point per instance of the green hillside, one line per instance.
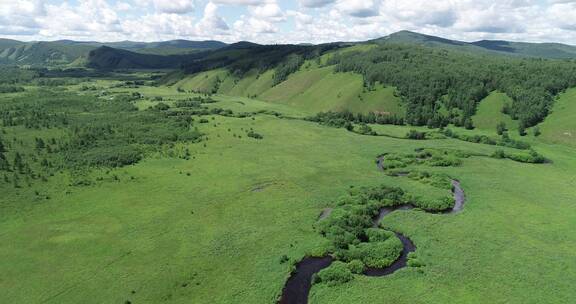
(560, 126)
(310, 89)
(8, 43)
(63, 52)
(489, 112)
(322, 89)
(44, 53)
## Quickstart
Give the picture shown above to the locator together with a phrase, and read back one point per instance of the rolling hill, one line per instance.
(106, 57)
(543, 50)
(42, 53)
(64, 52)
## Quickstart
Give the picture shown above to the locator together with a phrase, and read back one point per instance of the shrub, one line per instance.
(378, 235)
(254, 135)
(413, 260)
(161, 106)
(356, 266)
(498, 154)
(373, 254)
(337, 273)
(413, 134)
(532, 157)
(10, 89)
(501, 128)
(536, 131)
(365, 129)
(440, 204)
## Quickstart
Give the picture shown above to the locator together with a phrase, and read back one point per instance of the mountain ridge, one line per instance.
(66, 52)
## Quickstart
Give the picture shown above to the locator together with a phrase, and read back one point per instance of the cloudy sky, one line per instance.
(286, 21)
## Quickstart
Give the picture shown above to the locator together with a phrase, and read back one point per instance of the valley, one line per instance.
(373, 172)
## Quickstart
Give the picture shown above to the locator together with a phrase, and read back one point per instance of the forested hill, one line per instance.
(436, 85)
(442, 86)
(65, 52)
(110, 58)
(522, 49)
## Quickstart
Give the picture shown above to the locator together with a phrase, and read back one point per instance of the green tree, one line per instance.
(468, 123)
(4, 165)
(501, 128)
(536, 131)
(40, 144)
(521, 129)
(18, 163)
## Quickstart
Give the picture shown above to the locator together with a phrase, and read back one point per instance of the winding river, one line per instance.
(298, 286)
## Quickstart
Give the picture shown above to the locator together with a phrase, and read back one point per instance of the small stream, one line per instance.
(298, 285)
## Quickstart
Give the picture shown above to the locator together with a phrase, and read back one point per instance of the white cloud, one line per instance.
(420, 12)
(19, 16)
(243, 2)
(315, 3)
(358, 8)
(123, 6)
(268, 11)
(174, 6)
(564, 15)
(211, 22)
(265, 20)
(248, 27)
(159, 27)
(90, 16)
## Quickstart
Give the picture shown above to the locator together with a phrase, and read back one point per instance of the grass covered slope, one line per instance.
(311, 89)
(321, 89)
(560, 125)
(489, 112)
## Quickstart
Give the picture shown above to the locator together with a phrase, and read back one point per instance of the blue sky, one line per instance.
(287, 21)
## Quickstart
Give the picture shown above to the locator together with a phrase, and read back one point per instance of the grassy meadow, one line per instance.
(213, 227)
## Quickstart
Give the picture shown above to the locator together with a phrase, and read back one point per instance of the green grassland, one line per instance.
(213, 228)
(489, 113)
(560, 126)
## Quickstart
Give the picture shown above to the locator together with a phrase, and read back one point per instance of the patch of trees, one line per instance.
(355, 242)
(12, 75)
(254, 135)
(353, 238)
(429, 79)
(365, 129)
(4, 164)
(413, 134)
(531, 157)
(504, 141)
(429, 157)
(346, 118)
(97, 133)
(11, 89)
(290, 65)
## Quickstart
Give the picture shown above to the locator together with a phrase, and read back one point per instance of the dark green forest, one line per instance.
(430, 79)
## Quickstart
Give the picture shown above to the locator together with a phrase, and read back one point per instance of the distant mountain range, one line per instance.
(543, 50)
(173, 53)
(63, 52)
